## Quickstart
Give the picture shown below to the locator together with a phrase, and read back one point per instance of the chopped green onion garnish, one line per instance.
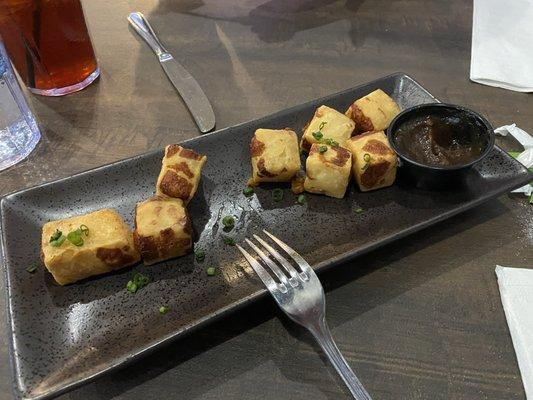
(229, 222)
(137, 282)
(359, 210)
(277, 194)
(366, 157)
(141, 280)
(322, 149)
(317, 135)
(514, 154)
(163, 310)
(249, 191)
(84, 229)
(229, 241)
(302, 199)
(31, 269)
(211, 271)
(131, 287)
(199, 255)
(57, 234)
(75, 238)
(59, 241)
(331, 142)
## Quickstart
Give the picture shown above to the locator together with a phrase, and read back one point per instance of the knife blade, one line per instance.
(188, 88)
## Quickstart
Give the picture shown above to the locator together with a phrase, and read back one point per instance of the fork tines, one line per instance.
(300, 295)
(287, 275)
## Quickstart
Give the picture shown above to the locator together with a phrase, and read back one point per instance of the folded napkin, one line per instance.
(516, 290)
(502, 48)
(525, 157)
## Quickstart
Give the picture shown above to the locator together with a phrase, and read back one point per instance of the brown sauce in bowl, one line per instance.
(441, 140)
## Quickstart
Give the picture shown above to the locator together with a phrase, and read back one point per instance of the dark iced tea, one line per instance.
(49, 45)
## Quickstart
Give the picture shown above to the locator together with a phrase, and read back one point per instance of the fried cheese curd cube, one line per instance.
(180, 173)
(100, 242)
(163, 229)
(275, 156)
(374, 161)
(328, 170)
(373, 112)
(327, 123)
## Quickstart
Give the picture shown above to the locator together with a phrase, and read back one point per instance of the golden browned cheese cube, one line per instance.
(162, 229)
(331, 124)
(374, 161)
(180, 173)
(373, 112)
(328, 172)
(107, 246)
(275, 156)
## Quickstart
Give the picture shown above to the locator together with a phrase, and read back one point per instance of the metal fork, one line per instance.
(301, 296)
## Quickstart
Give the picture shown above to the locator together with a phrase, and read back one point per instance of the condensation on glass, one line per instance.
(19, 133)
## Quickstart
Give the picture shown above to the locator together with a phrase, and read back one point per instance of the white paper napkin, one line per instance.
(502, 44)
(526, 157)
(516, 290)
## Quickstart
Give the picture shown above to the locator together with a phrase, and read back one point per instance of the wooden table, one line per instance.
(418, 319)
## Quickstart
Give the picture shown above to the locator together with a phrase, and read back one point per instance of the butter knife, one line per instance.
(189, 90)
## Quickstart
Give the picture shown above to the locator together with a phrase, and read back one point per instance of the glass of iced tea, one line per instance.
(49, 45)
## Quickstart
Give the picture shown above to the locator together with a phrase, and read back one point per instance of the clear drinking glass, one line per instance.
(19, 133)
(49, 44)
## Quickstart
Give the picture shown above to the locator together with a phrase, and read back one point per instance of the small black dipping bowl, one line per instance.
(467, 127)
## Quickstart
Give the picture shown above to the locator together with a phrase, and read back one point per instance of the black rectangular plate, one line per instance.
(64, 336)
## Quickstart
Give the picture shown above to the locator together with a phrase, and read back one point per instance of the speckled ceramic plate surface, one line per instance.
(64, 336)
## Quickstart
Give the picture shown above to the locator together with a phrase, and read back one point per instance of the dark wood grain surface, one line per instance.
(418, 319)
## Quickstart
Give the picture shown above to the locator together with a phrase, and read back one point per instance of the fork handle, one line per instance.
(322, 334)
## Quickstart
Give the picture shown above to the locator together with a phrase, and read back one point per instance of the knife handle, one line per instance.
(141, 25)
